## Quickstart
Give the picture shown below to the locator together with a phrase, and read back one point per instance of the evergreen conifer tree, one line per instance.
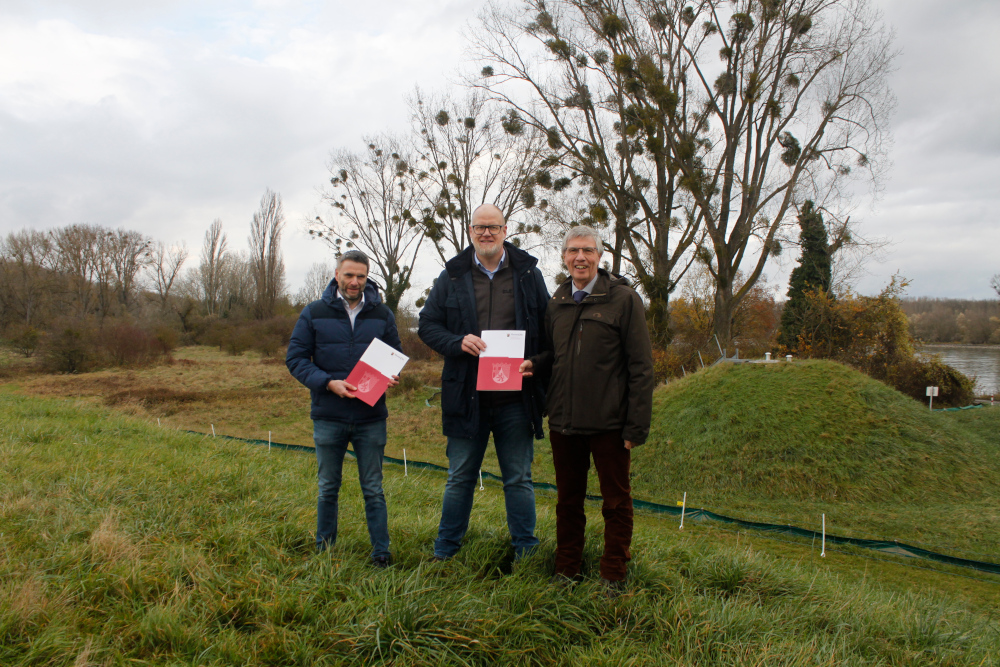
(813, 274)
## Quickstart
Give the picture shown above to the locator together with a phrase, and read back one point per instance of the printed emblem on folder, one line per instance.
(372, 373)
(499, 362)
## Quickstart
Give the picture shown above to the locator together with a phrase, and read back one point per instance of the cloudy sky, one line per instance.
(166, 114)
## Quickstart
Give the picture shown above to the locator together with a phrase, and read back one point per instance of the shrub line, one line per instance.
(700, 514)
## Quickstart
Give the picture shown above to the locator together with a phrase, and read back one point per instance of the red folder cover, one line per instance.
(370, 383)
(499, 374)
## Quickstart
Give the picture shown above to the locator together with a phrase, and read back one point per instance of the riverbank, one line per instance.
(980, 362)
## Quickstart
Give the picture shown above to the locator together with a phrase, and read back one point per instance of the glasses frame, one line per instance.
(493, 229)
(588, 251)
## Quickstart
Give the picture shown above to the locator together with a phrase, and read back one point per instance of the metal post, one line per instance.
(406, 470)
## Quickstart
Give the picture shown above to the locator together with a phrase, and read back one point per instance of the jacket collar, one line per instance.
(605, 281)
(518, 259)
(372, 297)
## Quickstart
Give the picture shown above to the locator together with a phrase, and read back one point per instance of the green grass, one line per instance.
(788, 442)
(122, 543)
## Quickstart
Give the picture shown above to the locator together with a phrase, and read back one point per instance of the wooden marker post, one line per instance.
(931, 393)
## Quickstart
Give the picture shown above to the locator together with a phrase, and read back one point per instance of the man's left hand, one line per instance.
(629, 444)
(393, 380)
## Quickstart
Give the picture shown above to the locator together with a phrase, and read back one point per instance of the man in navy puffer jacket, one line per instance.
(329, 339)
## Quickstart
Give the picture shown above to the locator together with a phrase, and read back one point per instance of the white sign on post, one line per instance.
(931, 393)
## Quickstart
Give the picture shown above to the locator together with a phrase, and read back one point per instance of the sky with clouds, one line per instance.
(163, 115)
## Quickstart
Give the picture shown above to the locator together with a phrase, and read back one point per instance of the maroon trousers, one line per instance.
(571, 455)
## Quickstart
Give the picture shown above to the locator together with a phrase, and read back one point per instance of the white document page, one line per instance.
(503, 343)
(386, 360)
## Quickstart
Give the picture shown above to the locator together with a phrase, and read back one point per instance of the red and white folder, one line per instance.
(499, 362)
(372, 373)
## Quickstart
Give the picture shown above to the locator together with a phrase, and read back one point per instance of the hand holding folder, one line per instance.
(375, 370)
(499, 362)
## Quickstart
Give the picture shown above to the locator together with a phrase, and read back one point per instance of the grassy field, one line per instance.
(779, 444)
(125, 543)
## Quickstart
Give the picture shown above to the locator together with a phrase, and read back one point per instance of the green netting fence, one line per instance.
(699, 514)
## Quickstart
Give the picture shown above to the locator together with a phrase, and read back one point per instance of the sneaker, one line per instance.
(612, 589)
(381, 562)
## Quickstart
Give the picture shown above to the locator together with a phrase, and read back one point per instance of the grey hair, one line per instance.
(583, 232)
(353, 256)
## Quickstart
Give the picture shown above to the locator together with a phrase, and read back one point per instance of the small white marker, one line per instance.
(157, 421)
(213, 430)
(405, 469)
(480, 479)
(268, 441)
(683, 508)
(822, 553)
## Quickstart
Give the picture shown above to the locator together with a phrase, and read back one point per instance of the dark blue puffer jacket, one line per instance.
(324, 347)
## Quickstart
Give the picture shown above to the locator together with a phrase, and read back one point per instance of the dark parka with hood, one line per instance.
(325, 347)
(450, 314)
(599, 360)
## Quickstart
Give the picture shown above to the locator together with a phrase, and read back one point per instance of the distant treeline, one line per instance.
(953, 320)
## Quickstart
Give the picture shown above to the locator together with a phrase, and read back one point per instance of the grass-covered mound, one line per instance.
(810, 430)
(125, 544)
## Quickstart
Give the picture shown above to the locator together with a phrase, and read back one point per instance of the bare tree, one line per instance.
(373, 200)
(76, 249)
(238, 285)
(267, 268)
(27, 276)
(469, 153)
(318, 277)
(125, 253)
(817, 69)
(706, 103)
(995, 283)
(166, 264)
(212, 266)
(594, 78)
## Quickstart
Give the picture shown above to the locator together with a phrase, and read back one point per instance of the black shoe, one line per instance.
(437, 559)
(381, 562)
(612, 589)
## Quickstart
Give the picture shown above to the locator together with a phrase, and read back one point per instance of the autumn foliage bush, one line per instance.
(871, 333)
(692, 315)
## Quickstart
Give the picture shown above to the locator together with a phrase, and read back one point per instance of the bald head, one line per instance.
(491, 209)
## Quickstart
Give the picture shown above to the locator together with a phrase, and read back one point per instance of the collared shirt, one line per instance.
(588, 288)
(353, 312)
(482, 268)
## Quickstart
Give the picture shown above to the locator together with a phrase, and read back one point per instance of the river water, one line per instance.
(979, 361)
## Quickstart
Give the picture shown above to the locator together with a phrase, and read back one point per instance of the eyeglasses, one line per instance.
(589, 252)
(481, 229)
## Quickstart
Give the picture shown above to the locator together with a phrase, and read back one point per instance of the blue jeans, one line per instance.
(331, 440)
(514, 440)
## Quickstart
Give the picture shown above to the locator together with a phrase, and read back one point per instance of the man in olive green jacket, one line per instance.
(599, 359)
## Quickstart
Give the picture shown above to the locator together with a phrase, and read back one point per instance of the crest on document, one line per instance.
(367, 383)
(501, 371)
